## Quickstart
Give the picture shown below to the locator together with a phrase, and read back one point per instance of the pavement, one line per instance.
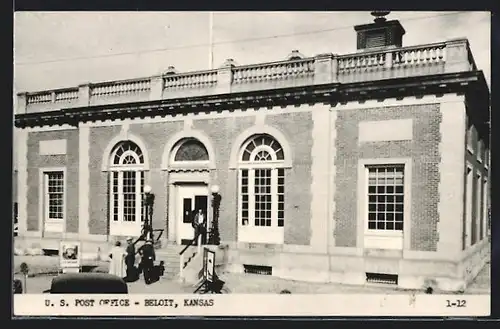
(42, 266)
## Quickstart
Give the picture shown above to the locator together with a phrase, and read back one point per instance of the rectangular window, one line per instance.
(54, 193)
(263, 197)
(470, 137)
(484, 221)
(481, 213)
(281, 197)
(476, 223)
(244, 196)
(479, 207)
(480, 151)
(129, 196)
(16, 211)
(468, 209)
(143, 205)
(386, 197)
(114, 181)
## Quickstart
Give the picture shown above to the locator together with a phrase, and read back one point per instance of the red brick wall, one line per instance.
(99, 137)
(36, 161)
(424, 151)
(298, 128)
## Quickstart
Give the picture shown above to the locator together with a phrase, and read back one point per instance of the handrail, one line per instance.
(190, 243)
(181, 254)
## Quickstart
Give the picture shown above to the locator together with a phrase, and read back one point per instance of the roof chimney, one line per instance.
(381, 33)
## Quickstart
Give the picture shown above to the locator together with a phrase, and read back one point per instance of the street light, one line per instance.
(214, 236)
(214, 189)
(148, 215)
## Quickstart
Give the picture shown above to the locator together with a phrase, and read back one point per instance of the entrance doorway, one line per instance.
(190, 199)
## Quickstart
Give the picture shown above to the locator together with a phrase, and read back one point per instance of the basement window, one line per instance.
(258, 269)
(382, 278)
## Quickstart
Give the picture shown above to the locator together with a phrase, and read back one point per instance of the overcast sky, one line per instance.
(62, 49)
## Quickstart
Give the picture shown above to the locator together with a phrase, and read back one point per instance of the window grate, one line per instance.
(258, 269)
(382, 278)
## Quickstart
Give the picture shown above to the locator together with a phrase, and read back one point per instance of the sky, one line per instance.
(64, 49)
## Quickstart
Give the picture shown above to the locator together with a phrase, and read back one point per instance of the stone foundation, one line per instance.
(441, 275)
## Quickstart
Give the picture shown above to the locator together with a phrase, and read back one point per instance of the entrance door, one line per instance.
(190, 199)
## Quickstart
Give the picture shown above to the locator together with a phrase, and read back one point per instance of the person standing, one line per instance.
(117, 265)
(200, 225)
(131, 272)
(148, 258)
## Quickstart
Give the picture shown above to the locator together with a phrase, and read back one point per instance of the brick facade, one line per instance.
(219, 131)
(422, 149)
(35, 161)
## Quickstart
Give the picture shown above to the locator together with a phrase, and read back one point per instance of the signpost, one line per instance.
(209, 282)
(70, 256)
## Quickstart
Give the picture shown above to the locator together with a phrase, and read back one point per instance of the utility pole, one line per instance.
(211, 40)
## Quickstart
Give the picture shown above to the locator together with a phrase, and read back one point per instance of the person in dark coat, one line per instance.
(200, 225)
(131, 272)
(148, 258)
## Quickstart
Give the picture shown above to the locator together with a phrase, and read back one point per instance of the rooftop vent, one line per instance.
(381, 33)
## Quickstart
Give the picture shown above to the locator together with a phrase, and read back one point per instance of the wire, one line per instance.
(222, 42)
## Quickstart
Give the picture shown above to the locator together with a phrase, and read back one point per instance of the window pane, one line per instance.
(55, 194)
(385, 185)
(192, 150)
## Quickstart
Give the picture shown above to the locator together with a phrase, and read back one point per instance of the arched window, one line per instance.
(190, 149)
(262, 183)
(126, 183)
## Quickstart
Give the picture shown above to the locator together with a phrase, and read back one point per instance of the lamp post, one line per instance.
(214, 236)
(148, 214)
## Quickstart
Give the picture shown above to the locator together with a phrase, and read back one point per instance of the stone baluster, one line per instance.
(388, 60)
(457, 59)
(84, 95)
(22, 103)
(157, 86)
(225, 77)
(325, 69)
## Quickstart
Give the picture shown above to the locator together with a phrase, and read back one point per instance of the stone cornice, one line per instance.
(327, 93)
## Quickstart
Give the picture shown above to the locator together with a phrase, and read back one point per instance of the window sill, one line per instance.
(386, 233)
(469, 148)
(266, 234)
(53, 225)
(393, 242)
